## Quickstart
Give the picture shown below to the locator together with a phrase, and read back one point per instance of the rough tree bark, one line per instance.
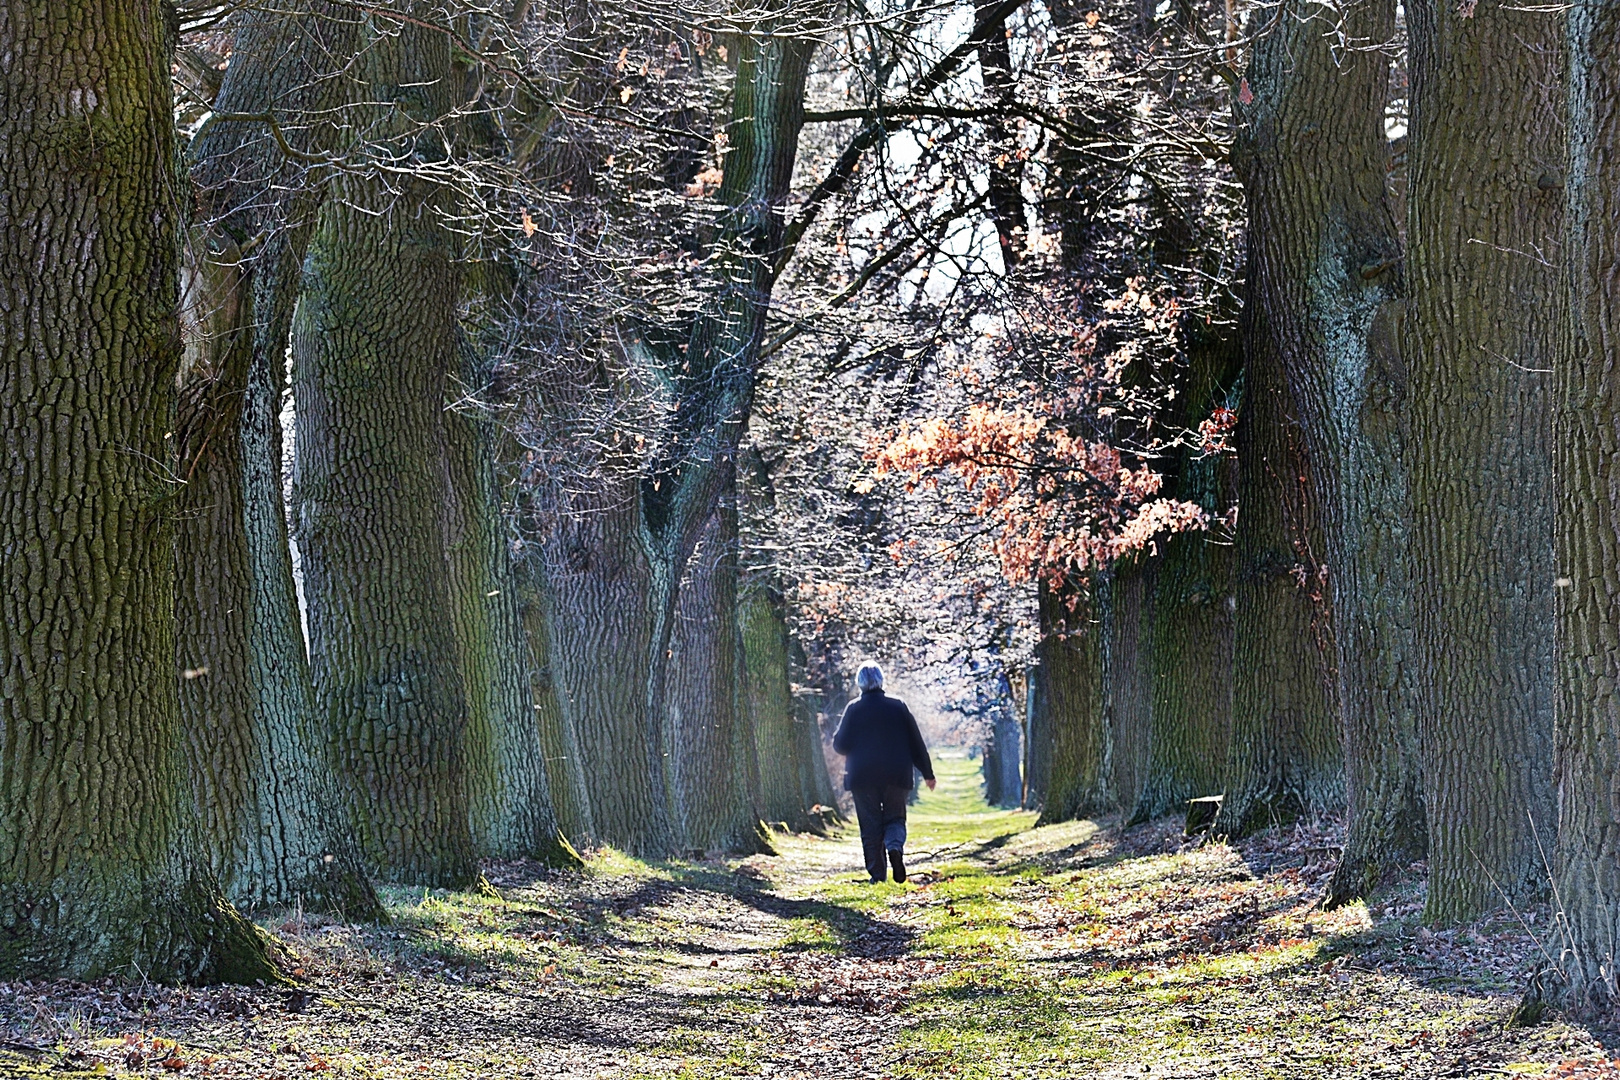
(509, 799)
(376, 336)
(1127, 606)
(781, 747)
(1588, 397)
(100, 869)
(1486, 154)
(565, 765)
(1190, 633)
(1326, 286)
(713, 773)
(597, 626)
(1286, 759)
(1068, 726)
(270, 809)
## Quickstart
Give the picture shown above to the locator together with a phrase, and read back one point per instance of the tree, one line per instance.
(1285, 760)
(786, 743)
(375, 339)
(272, 817)
(1191, 625)
(1303, 207)
(565, 765)
(1482, 325)
(1069, 735)
(102, 870)
(714, 775)
(593, 603)
(509, 799)
(1003, 749)
(713, 360)
(1326, 285)
(1587, 389)
(1126, 604)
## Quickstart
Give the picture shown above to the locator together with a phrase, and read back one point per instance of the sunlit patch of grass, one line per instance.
(611, 862)
(954, 816)
(705, 1053)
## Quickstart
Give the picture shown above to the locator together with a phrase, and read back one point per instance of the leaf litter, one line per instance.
(1077, 949)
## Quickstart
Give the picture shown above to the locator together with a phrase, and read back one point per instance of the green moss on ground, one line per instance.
(1077, 949)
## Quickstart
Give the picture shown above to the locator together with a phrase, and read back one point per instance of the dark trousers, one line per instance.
(881, 812)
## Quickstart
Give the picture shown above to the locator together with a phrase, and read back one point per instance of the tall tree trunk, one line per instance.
(101, 872)
(1190, 634)
(716, 367)
(565, 764)
(1037, 741)
(597, 623)
(1074, 741)
(508, 796)
(1127, 674)
(272, 816)
(1486, 147)
(375, 340)
(713, 776)
(1191, 658)
(1003, 756)
(817, 779)
(1286, 759)
(786, 784)
(786, 755)
(1588, 396)
(1325, 287)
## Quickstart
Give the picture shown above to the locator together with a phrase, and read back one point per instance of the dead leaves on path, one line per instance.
(1593, 1069)
(873, 987)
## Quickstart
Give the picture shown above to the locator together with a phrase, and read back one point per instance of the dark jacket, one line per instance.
(880, 743)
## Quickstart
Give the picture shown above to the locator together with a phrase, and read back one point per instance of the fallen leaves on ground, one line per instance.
(1075, 949)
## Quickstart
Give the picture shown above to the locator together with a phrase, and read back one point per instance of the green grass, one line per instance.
(1062, 952)
(1013, 953)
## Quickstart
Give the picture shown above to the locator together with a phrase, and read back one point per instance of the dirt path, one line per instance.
(1073, 950)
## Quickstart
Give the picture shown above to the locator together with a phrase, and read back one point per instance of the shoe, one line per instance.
(876, 880)
(897, 860)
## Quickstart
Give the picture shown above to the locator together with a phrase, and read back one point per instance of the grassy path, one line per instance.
(1066, 951)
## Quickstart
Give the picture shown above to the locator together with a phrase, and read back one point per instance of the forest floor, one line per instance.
(1014, 951)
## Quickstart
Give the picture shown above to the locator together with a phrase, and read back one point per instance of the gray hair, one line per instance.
(869, 677)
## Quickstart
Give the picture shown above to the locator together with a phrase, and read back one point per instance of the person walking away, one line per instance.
(881, 745)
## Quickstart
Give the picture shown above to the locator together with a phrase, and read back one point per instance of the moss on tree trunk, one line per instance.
(375, 338)
(1190, 629)
(272, 817)
(1073, 740)
(101, 872)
